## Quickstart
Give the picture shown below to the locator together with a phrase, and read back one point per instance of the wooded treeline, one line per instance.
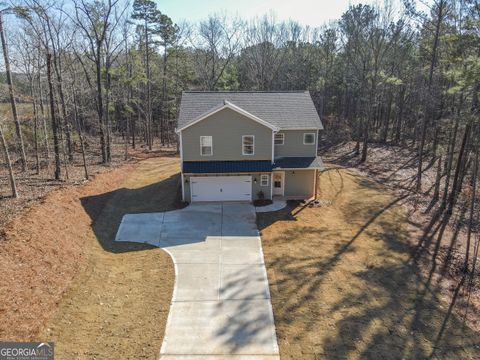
(104, 70)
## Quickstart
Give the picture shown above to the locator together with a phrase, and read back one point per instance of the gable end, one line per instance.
(228, 105)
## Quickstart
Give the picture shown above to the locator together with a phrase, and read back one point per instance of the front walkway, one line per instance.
(276, 205)
(221, 301)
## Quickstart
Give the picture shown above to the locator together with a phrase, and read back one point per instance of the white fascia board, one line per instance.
(273, 146)
(298, 169)
(301, 129)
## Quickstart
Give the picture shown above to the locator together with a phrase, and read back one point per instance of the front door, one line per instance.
(278, 183)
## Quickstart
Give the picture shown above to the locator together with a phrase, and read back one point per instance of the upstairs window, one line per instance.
(309, 139)
(279, 139)
(248, 145)
(206, 146)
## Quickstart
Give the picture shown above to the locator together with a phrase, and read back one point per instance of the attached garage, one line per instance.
(221, 188)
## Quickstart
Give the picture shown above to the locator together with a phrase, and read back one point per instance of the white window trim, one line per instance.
(206, 136)
(283, 138)
(314, 139)
(264, 177)
(253, 145)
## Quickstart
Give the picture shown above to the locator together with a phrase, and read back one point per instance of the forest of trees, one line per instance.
(103, 71)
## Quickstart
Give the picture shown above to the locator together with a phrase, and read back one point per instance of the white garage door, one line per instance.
(221, 188)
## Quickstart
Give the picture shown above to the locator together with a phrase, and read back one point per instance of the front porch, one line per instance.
(294, 184)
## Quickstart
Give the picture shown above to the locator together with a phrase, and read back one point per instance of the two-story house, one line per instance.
(241, 146)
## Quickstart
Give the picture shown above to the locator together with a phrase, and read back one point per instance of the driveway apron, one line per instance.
(221, 305)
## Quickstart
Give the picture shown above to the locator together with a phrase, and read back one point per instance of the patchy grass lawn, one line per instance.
(344, 285)
(118, 305)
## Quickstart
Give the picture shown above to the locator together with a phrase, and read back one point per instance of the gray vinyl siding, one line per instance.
(256, 187)
(299, 184)
(293, 144)
(226, 128)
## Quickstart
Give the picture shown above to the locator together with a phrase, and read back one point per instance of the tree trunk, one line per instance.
(472, 213)
(450, 163)
(127, 136)
(365, 142)
(428, 99)
(79, 131)
(107, 111)
(56, 145)
(436, 191)
(129, 100)
(457, 182)
(398, 130)
(435, 143)
(65, 122)
(149, 104)
(13, 184)
(11, 93)
(134, 130)
(98, 69)
(35, 126)
(164, 94)
(387, 117)
(42, 110)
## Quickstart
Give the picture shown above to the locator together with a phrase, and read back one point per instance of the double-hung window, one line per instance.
(279, 139)
(248, 145)
(206, 146)
(264, 179)
(309, 139)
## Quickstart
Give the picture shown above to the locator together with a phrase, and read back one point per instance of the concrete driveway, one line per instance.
(221, 305)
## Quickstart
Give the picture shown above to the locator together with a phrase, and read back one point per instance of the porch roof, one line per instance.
(313, 162)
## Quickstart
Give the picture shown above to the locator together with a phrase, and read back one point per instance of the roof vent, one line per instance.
(225, 102)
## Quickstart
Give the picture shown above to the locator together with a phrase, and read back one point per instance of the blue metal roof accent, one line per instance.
(298, 163)
(218, 167)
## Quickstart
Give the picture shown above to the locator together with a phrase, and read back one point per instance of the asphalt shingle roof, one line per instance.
(298, 163)
(286, 110)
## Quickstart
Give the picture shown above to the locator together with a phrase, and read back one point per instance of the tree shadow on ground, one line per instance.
(107, 210)
(250, 313)
(387, 169)
(344, 284)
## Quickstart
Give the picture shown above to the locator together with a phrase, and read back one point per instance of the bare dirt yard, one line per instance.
(64, 279)
(344, 284)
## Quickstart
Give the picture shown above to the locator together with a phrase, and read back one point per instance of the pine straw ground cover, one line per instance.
(344, 285)
(65, 280)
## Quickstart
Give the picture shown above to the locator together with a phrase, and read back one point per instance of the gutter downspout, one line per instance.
(273, 145)
(273, 161)
(181, 164)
